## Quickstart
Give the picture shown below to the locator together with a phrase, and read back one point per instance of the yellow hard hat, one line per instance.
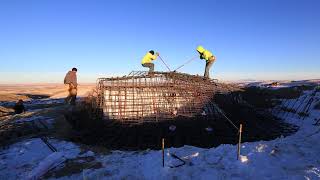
(200, 49)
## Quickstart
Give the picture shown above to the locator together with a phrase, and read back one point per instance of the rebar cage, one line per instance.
(143, 97)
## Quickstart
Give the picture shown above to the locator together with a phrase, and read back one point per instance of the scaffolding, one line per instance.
(159, 96)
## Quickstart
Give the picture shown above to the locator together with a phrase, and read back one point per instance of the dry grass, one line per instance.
(12, 97)
(26, 92)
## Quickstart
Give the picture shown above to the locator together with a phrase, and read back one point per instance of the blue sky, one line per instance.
(251, 39)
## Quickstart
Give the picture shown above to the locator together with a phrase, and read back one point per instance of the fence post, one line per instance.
(162, 152)
(239, 143)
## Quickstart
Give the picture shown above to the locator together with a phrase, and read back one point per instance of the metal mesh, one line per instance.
(140, 97)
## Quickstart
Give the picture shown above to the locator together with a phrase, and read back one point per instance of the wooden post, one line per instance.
(239, 143)
(162, 152)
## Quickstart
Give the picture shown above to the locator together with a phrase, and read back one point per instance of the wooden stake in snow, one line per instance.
(239, 143)
(162, 152)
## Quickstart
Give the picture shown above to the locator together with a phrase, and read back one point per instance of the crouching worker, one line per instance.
(208, 56)
(147, 60)
(19, 107)
(71, 81)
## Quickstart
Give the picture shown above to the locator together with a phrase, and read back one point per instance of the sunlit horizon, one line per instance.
(90, 78)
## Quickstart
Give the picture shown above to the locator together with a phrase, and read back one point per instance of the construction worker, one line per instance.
(71, 81)
(209, 57)
(19, 107)
(147, 60)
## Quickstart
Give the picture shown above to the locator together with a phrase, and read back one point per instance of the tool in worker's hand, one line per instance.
(185, 63)
(164, 63)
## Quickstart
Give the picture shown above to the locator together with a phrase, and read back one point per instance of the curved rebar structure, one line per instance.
(140, 97)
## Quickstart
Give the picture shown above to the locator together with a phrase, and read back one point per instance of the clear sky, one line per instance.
(251, 39)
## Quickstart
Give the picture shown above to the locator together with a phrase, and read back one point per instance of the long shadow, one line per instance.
(201, 131)
(258, 123)
(35, 96)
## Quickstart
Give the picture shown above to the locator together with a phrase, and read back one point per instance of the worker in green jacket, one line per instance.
(147, 60)
(209, 57)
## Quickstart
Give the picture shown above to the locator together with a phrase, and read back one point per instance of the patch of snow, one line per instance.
(280, 84)
(45, 165)
(31, 156)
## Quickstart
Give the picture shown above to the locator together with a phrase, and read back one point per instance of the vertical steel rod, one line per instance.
(239, 143)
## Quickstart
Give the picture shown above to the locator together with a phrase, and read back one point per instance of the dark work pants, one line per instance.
(149, 65)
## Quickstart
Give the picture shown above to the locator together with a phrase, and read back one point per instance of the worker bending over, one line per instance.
(147, 60)
(208, 56)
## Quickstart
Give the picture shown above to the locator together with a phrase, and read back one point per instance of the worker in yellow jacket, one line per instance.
(147, 60)
(209, 57)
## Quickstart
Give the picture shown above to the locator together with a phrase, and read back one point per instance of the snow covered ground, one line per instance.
(280, 84)
(293, 157)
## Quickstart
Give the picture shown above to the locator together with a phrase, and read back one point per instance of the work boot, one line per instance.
(150, 74)
(67, 100)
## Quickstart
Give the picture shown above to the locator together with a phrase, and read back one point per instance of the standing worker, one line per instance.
(209, 57)
(147, 60)
(71, 81)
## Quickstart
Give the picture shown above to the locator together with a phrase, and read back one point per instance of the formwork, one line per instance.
(142, 97)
